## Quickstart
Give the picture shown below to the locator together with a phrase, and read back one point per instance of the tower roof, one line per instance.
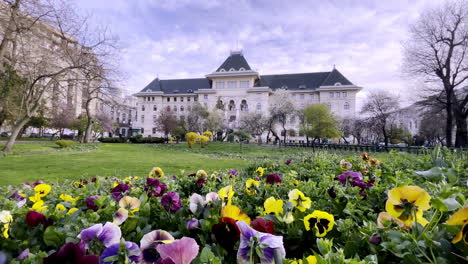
(235, 61)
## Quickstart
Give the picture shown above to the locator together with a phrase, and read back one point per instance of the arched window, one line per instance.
(222, 70)
(175, 108)
(337, 84)
(168, 108)
(259, 107)
(242, 69)
(244, 106)
(232, 69)
(346, 106)
(232, 105)
(181, 108)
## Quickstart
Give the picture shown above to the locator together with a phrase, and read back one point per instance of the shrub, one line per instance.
(191, 138)
(203, 140)
(208, 134)
(113, 140)
(62, 143)
(146, 140)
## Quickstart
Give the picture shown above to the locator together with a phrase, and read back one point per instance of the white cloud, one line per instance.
(175, 39)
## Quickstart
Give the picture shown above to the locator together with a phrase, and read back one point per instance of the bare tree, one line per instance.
(197, 117)
(62, 118)
(71, 47)
(281, 107)
(254, 123)
(381, 107)
(437, 51)
(166, 122)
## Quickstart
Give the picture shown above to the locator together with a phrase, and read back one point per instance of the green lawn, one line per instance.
(43, 160)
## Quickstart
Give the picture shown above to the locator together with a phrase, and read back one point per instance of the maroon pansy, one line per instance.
(262, 225)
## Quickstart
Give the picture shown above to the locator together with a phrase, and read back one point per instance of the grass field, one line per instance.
(43, 160)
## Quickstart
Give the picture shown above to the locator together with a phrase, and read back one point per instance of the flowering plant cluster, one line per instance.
(316, 208)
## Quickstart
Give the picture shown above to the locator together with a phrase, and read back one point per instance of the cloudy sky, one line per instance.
(191, 38)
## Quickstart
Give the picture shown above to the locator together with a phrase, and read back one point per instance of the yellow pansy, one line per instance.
(235, 213)
(251, 185)
(60, 207)
(311, 260)
(36, 198)
(39, 206)
(72, 210)
(115, 184)
(42, 189)
(156, 172)
(226, 194)
(202, 173)
(6, 218)
(374, 162)
(132, 204)
(260, 171)
(299, 200)
(78, 184)
(321, 221)
(344, 165)
(460, 218)
(287, 218)
(68, 198)
(406, 202)
(273, 206)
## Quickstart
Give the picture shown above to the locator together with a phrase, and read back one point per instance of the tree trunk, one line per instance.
(461, 138)
(14, 134)
(384, 132)
(8, 35)
(449, 123)
(89, 123)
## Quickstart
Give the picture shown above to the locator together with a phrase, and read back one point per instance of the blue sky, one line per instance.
(191, 38)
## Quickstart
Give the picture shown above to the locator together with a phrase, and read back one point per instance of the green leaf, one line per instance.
(53, 238)
(439, 204)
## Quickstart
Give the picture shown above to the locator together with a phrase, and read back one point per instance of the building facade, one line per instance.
(242, 90)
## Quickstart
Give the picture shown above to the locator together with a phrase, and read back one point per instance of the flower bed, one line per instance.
(314, 209)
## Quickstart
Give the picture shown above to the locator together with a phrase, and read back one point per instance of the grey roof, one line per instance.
(178, 85)
(235, 61)
(335, 77)
(293, 81)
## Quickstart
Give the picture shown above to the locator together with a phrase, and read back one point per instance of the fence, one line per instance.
(364, 148)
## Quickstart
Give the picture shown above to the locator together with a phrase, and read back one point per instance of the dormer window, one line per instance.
(242, 69)
(284, 87)
(148, 90)
(232, 69)
(302, 86)
(222, 70)
(190, 91)
(337, 84)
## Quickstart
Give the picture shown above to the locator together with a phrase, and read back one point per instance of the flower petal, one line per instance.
(181, 251)
(110, 234)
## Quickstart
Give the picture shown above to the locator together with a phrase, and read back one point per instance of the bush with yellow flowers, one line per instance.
(312, 208)
(191, 138)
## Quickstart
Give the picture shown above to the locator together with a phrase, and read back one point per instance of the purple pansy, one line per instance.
(71, 253)
(273, 178)
(24, 254)
(20, 199)
(90, 202)
(171, 202)
(113, 250)
(119, 190)
(233, 172)
(154, 187)
(181, 251)
(108, 234)
(261, 245)
(354, 179)
(150, 241)
(192, 224)
(288, 162)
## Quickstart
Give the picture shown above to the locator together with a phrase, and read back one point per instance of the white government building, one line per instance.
(242, 90)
